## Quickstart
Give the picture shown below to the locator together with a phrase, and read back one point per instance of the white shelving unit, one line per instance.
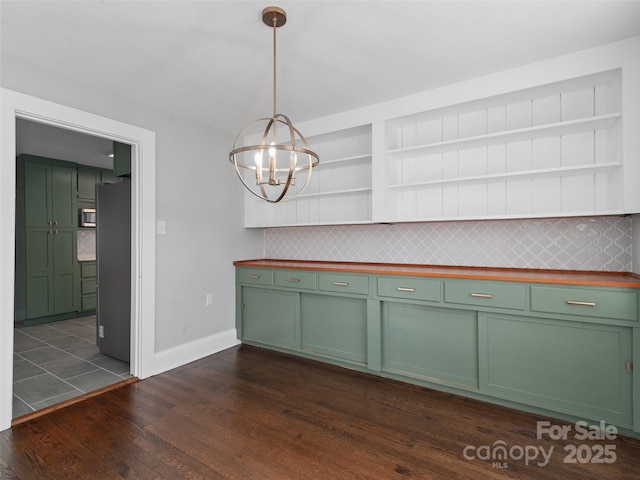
(339, 191)
(557, 138)
(550, 150)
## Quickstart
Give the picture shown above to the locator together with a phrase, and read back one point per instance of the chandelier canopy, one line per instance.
(282, 154)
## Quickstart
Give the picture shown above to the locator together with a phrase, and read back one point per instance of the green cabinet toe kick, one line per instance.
(562, 350)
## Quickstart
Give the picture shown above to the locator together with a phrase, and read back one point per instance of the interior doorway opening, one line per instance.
(60, 348)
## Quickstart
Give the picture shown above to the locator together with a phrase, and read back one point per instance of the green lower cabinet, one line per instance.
(88, 286)
(270, 317)
(334, 326)
(430, 344)
(571, 367)
(39, 295)
(52, 273)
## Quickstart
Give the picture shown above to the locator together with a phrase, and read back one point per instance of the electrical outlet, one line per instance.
(101, 331)
(209, 299)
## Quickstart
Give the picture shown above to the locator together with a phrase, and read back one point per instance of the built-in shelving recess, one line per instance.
(551, 150)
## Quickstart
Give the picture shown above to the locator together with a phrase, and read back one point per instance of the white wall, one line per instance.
(197, 195)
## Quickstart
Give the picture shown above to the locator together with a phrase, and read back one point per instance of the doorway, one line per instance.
(14, 105)
(57, 350)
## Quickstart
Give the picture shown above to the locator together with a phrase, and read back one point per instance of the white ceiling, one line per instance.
(210, 61)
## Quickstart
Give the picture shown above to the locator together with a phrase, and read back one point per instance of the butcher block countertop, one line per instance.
(567, 277)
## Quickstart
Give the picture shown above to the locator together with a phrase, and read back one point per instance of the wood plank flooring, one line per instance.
(248, 413)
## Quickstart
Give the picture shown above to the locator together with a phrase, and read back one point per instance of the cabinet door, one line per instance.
(66, 291)
(87, 179)
(121, 159)
(270, 317)
(37, 191)
(430, 344)
(39, 296)
(334, 326)
(107, 176)
(64, 244)
(569, 367)
(64, 196)
(50, 195)
(38, 255)
(52, 272)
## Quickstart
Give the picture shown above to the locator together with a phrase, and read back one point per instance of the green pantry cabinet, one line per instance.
(46, 225)
(50, 282)
(560, 349)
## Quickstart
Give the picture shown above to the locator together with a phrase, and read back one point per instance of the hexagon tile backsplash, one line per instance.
(594, 243)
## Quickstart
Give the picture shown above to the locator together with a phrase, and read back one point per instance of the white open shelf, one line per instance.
(511, 136)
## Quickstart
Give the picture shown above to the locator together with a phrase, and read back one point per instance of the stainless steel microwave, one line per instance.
(87, 217)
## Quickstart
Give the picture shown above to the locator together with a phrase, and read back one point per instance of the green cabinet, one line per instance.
(121, 159)
(269, 317)
(50, 195)
(47, 273)
(87, 180)
(334, 326)
(88, 177)
(51, 272)
(431, 344)
(88, 286)
(570, 367)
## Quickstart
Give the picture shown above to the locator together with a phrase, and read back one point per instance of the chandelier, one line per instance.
(283, 153)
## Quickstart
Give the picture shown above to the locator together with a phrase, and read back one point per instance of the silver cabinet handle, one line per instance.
(482, 295)
(586, 304)
(405, 289)
(254, 276)
(293, 280)
(341, 284)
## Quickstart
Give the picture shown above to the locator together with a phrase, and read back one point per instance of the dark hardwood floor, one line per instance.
(248, 413)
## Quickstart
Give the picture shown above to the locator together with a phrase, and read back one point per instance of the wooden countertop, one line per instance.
(569, 277)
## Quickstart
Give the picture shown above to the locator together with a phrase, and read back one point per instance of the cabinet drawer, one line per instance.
(485, 294)
(87, 270)
(587, 302)
(296, 279)
(409, 287)
(88, 302)
(88, 286)
(337, 282)
(258, 276)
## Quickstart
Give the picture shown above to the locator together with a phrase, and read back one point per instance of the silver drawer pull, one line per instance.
(405, 289)
(293, 280)
(482, 295)
(254, 276)
(586, 304)
(341, 284)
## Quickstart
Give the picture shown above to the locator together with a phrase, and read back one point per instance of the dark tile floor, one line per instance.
(57, 361)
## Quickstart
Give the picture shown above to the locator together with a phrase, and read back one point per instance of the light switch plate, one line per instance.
(161, 227)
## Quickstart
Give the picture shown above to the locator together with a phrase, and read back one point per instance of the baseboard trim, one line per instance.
(192, 351)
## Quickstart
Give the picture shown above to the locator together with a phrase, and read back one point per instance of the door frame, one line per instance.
(15, 105)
